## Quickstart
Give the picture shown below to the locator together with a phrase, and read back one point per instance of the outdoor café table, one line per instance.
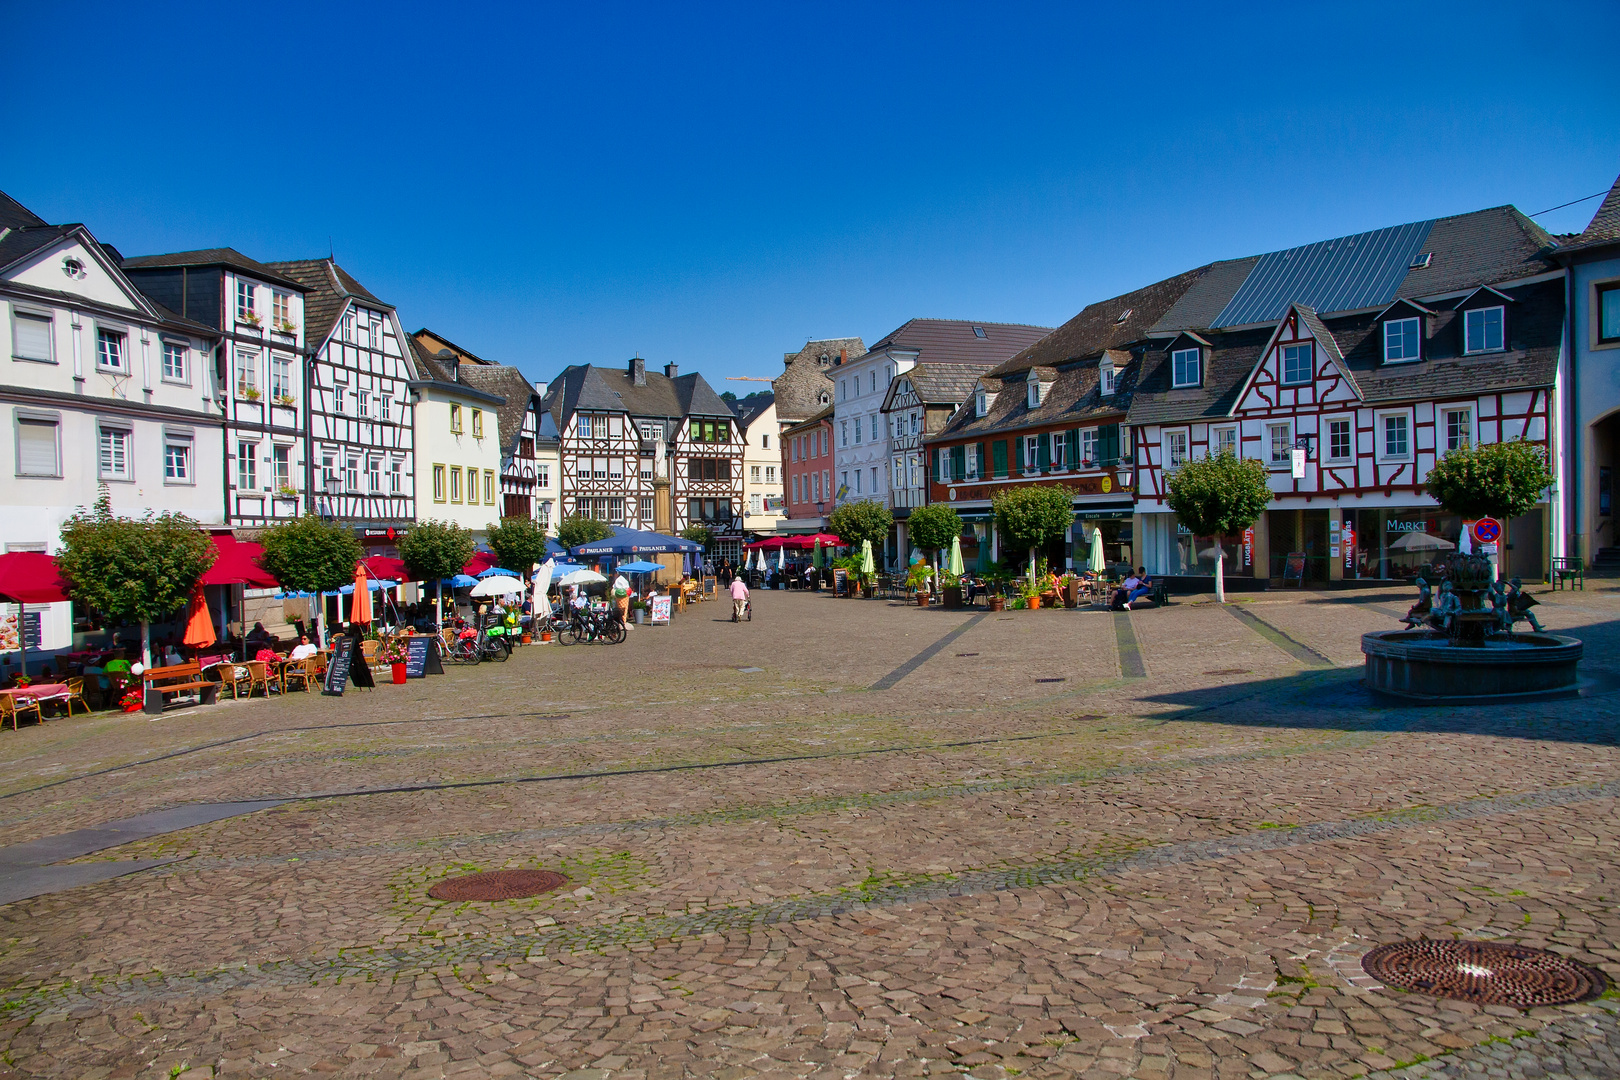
(41, 692)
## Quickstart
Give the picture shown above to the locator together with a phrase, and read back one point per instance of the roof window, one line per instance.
(1422, 261)
(978, 331)
(1124, 315)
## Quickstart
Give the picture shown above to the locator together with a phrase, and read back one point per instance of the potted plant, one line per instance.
(251, 318)
(996, 582)
(951, 586)
(918, 578)
(288, 326)
(1071, 590)
(284, 399)
(640, 608)
(1030, 594)
(1047, 583)
(250, 393)
(392, 652)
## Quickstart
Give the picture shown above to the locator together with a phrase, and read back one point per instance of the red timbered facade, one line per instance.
(1350, 410)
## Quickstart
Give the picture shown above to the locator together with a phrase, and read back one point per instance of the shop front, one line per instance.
(1169, 549)
(1394, 544)
(1118, 537)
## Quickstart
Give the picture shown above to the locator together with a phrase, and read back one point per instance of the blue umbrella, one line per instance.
(496, 571)
(635, 541)
(460, 581)
(641, 567)
(372, 585)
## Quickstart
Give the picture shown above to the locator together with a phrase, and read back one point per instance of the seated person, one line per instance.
(1122, 595)
(259, 638)
(118, 665)
(171, 656)
(303, 650)
(1144, 586)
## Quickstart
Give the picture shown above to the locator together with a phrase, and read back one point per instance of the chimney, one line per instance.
(671, 371)
(451, 361)
(638, 371)
(842, 356)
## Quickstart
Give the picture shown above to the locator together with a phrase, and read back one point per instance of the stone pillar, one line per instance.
(1262, 546)
(663, 507)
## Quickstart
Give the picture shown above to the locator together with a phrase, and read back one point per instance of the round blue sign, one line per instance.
(1487, 530)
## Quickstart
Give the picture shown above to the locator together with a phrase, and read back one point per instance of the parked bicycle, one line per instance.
(587, 625)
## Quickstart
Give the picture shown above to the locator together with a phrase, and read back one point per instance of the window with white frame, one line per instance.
(1060, 450)
(1223, 440)
(455, 483)
(599, 468)
(328, 468)
(753, 474)
(280, 308)
(396, 477)
(281, 386)
(438, 483)
(30, 336)
(646, 468)
(1032, 453)
(246, 299)
(1482, 330)
(174, 360)
(1280, 443)
(340, 392)
(1105, 379)
(616, 469)
(281, 467)
(971, 462)
(770, 474)
(874, 427)
(857, 481)
(980, 403)
(1088, 447)
(873, 390)
(1395, 436)
(351, 474)
(944, 464)
(385, 406)
(1296, 363)
(247, 466)
(478, 423)
(1459, 428)
(39, 446)
(1185, 365)
(113, 453)
(899, 471)
(176, 458)
(795, 487)
(859, 427)
(874, 480)
(374, 471)
(756, 504)
(1034, 391)
(110, 351)
(542, 475)
(455, 418)
(1402, 340)
(1338, 440)
(915, 420)
(1175, 449)
(247, 373)
(646, 509)
(843, 433)
(363, 404)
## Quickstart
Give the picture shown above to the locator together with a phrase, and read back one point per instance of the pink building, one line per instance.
(807, 472)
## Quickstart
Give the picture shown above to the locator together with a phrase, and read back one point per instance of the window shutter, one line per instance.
(959, 461)
(978, 449)
(36, 448)
(1108, 444)
(1043, 451)
(998, 454)
(934, 464)
(33, 336)
(1071, 439)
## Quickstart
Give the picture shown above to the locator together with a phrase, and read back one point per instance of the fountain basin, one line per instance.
(1422, 665)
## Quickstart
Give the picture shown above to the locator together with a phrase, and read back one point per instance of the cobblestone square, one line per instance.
(851, 838)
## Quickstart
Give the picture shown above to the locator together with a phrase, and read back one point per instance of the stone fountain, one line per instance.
(1460, 645)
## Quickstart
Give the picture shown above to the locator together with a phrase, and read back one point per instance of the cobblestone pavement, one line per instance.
(848, 839)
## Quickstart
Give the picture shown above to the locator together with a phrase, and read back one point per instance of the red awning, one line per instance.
(770, 543)
(237, 564)
(31, 577)
(827, 540)
(386, 568)
(481, 561)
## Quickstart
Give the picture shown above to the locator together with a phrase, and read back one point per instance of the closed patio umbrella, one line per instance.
(1095, 562)
(199, 624)
(955, 565)
(868, 564)
(360, 602)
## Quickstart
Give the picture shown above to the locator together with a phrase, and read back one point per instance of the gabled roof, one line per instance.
(18, 244)
(1604, 228)
(1073, 399)
(1421, 309)
(1106, 324)
(748, 409)
(328, 290)
(509, 383)
(953, 341)
(224, 256)
(592, 388)
(14, 215)
(939, 384)
(1324, 339)
(1498, 293)
(821, 417)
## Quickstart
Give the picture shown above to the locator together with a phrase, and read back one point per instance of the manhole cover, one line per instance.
(497, 885)
(1484, 972)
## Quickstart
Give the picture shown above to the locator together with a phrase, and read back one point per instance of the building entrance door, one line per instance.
(1299, 530)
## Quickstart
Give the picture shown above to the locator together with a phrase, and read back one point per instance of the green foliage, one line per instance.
(577, 529)
(698, 534)
(132, 569)
(1500, 480)
(436, 549)
(934, 526)
(862, 520)
(1219, 495)
(1029, 516)
(519, 543)
(919, 576)
(310, 555)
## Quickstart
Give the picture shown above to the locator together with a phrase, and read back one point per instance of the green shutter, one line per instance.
(1043, 451)
(998, 458)
(1071, 439)
(933, 464)
(979, 449)
(958, 461)
(1108, 444)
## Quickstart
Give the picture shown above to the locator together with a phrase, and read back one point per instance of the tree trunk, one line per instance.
(1220, 570)
(438, 602)
(146, 643)
(1032, 564)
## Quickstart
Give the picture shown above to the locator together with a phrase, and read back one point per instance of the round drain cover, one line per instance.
(1484, 972)
(497, 885)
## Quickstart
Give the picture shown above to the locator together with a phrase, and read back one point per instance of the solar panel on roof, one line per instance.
(1352, 272)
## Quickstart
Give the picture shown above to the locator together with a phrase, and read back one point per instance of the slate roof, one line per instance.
(749, 408)
(953, 340)
(1073, 399)
(509, 383)
(18, 244)
(592, 388)
(14, 215)
(1099, 326)
(224, 256)
(799, 388)
(328, 289)
(1604, 228)
(940, 384)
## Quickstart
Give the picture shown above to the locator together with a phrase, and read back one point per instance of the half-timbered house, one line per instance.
(648, 451)
(361, 469)
(1348, 367)
(259, 369)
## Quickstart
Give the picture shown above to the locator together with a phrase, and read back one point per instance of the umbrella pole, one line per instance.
(22, 634)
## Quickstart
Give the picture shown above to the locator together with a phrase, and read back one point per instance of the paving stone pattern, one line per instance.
(875, 857)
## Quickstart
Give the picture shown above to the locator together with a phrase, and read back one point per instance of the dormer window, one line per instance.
(1034, 391)
(1483, 330)
(1105, 379)
(1402, 340)
(1296, 363)
(981, 403)
(1186, 367)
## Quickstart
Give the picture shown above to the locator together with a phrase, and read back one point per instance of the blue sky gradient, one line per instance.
(712, 185)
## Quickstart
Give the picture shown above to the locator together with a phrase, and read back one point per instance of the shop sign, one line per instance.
(1395, 526)
(660, 610)
(1333, 539)
(1248, 546)
(1349, 538)
(1297, 462)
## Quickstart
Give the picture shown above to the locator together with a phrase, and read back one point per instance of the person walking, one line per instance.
(739, 599)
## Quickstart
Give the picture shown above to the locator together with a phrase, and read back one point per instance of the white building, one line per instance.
(762, 462)
(458, 447)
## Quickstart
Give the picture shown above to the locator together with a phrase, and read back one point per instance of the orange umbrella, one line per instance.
(360, 603)
(199, 624)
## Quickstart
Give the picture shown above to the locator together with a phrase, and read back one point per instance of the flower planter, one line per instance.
(545, 635)
(953, 597)
(1050, 599)
(641, 616)
(1071, 594)
(399, 674)
(998, 603)
(869, 591)
(922, 599)
(527, 639)
(1033, 603)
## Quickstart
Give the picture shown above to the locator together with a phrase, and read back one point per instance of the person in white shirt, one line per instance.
(303, 650)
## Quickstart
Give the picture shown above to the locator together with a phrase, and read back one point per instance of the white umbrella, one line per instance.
(542, 582)
(500, 585)
(1422, 541)
(581, 576)
(781, 557)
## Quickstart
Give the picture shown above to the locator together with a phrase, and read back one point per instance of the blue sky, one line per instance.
(713, 185)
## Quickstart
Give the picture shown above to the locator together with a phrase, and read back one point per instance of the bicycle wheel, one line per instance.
(466, 652)
(499, 650)
(617, 632)
(567, 633)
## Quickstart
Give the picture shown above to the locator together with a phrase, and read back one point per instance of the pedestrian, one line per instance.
(739, 599)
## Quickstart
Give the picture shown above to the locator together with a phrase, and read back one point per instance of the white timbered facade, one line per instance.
(361, 468)
(1349, 411)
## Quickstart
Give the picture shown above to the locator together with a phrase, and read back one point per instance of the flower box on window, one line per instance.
(250, 394)
(251, 319)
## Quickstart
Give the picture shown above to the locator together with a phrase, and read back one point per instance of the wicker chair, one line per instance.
(301, 672)
(75, 696)
(11, 706)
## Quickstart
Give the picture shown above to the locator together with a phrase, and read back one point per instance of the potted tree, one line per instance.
(933, 528)
(435, 550)
(918, 578)
(1219, 495)
(310, 555)
(951, 588)
(858, 521)
(1030, 516)
(1497, 480)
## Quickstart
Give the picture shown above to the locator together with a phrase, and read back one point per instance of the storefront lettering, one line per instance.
(1410, 526)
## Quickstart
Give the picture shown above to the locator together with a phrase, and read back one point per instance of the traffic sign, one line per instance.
(1487, 530)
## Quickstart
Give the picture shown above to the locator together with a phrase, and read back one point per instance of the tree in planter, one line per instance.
(1499, 480)
(1029, 516)
(133, 569)
(577, 529)
(310, 555)
(1219, 495)
(519, 543)
(934, 527)
(858, 521)
(435, 550)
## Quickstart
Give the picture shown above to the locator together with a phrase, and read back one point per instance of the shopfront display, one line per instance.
(1118, 540)
(1395, 544)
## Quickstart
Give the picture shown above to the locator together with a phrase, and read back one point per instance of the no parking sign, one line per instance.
(1487, 530)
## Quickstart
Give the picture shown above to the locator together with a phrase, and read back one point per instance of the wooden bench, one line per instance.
(173, 680)
(1567, 570)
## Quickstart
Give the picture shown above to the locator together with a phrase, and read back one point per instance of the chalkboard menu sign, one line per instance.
(840, 581)
(421, 657)
(337, 669)
(1294, 569)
